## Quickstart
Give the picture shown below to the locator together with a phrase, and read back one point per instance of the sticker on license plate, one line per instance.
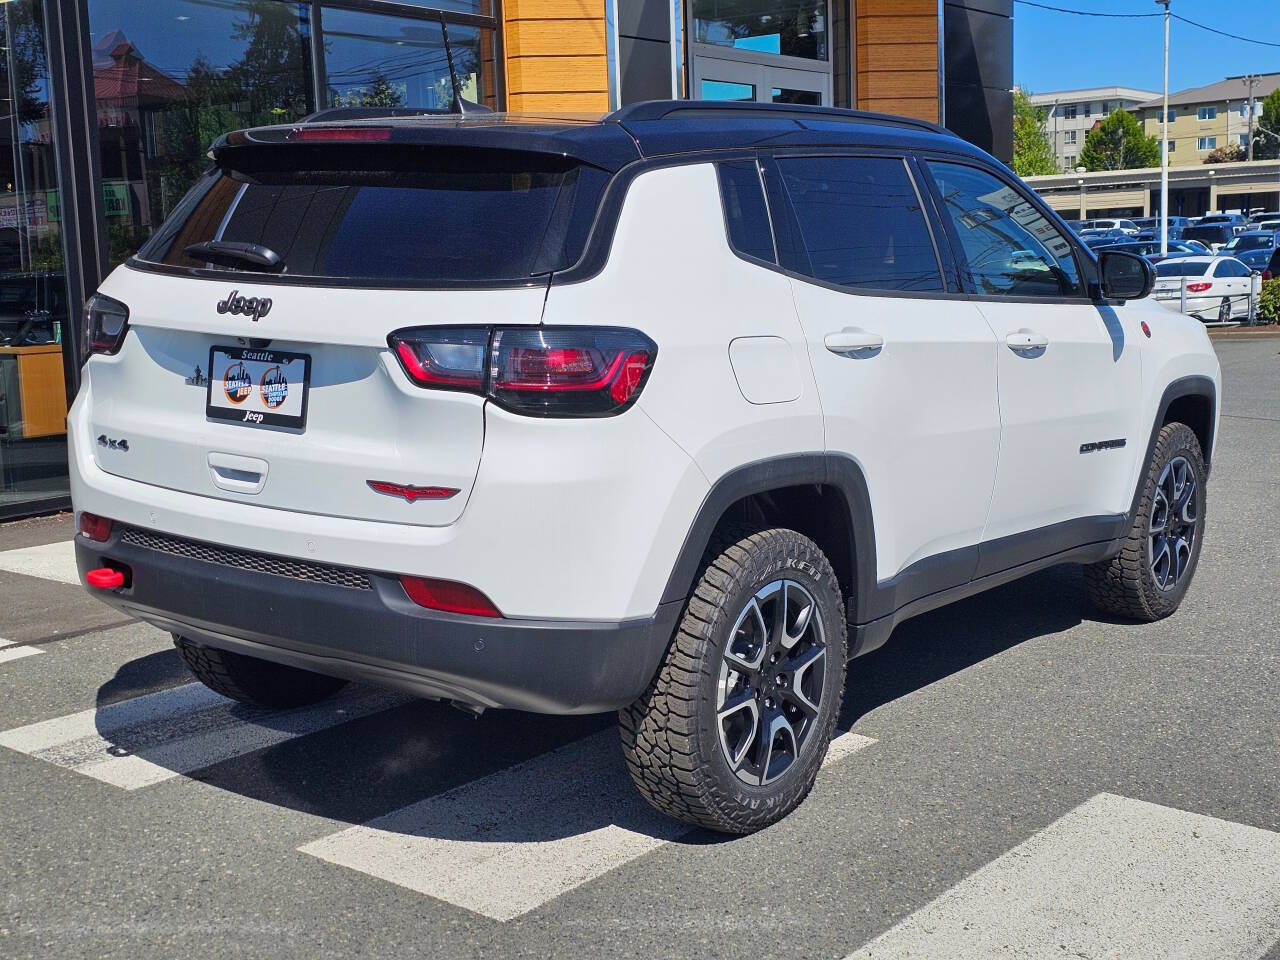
(260, 388)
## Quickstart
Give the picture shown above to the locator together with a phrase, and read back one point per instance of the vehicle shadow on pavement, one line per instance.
(356, 770)
(936, 645)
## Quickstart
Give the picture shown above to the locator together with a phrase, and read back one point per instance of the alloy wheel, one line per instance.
(1173, 523)
(771, 680)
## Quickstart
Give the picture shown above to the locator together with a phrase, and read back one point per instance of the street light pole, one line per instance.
(1164, 142)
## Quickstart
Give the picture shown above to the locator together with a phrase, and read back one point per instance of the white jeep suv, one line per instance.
(671, 413)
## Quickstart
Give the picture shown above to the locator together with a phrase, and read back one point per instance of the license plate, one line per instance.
(261, 388)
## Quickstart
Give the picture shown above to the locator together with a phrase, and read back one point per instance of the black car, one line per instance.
(1149, 228)
(33, 308)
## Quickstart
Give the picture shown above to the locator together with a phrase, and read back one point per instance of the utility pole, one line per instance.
(1251, 81)
(1164, 142)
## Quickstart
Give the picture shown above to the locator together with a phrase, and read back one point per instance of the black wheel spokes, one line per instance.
(771, 681)
(1173, 523)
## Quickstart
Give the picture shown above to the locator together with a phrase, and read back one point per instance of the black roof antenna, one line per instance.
(459, 105)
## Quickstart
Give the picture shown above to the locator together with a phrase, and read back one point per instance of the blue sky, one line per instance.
(1057, 51)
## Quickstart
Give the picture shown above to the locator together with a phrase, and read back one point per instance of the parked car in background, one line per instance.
(1257, 259)
(1112, 233)
(1250, 240)
(1217, 287)
(1128, 227)
(1151, 249)
(1149, 228)
(1259, 219)
(1232, 219)
(1100, 241)
(1196, 245)
(1213, 235)
(1272, 270)
(33, 309)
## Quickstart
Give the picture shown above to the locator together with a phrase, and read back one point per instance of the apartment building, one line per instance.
(1201, 119)
(1071, 114)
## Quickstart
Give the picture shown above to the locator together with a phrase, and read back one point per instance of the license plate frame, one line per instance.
(261, 402)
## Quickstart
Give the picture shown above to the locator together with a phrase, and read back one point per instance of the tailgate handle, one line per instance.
(237, 474)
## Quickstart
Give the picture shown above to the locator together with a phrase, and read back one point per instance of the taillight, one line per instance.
(1266, 275)
(448, 596)
(446, 358)
(95, 528)
(106, 323)
(1198, 287)
(540, 371)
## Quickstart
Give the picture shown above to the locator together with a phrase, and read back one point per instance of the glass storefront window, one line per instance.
(171, 76)
(34, 320)
(373, 60)
(793, 28)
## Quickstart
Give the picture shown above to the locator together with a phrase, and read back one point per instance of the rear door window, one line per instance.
(746, 214)
(396, 215)
(860, 223)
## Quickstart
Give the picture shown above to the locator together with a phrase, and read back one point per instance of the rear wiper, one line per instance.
(228, 253)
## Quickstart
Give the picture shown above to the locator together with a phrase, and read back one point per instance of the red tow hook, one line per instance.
(104, 578)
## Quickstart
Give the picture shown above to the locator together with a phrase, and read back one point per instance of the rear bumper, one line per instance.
(377, 634)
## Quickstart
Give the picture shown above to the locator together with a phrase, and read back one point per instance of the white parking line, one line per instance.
(9, 651)
(510, 842)
(1113, 878)
(149, 739)
(53, 561)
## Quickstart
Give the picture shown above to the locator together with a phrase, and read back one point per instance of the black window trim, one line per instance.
(775, 196)
(754, 160)
(1086, 268)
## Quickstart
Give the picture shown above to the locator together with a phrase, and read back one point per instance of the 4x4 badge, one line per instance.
(238, 306)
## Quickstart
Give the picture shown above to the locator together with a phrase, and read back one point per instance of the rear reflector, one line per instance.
(449, 597)
(104, 578)
(339, 134)
(411, 493)
(94, 527)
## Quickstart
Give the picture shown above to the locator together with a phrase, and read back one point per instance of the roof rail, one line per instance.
(663, 109)
(384, 113)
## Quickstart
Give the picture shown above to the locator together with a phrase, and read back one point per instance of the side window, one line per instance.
(746, 216)
(1231, 268)
(1008, 247)
(860, 223)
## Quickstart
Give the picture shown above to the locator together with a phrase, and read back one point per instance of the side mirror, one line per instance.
(1125, 276)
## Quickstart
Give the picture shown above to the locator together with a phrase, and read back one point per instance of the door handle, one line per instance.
(1026, 340)
(851, 340)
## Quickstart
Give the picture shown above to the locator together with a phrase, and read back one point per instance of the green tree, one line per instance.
(381, 93)
(1118, 143)
(1266, 135)
(1032, 151)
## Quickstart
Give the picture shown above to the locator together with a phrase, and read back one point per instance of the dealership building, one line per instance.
(112, 106)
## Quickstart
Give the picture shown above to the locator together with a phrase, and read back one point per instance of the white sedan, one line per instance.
(1218, 288)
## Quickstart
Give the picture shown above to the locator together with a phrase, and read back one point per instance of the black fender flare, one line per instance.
(1192, 386)
(827, 469)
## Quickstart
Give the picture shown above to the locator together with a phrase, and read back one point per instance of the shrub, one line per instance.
(1269, 302)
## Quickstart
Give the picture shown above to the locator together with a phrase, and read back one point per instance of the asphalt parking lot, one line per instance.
(1017, 778)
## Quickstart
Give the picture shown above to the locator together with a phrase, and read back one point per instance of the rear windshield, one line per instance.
(1180, 268)
(1247, 242)
(400, 216)
(1208, 234)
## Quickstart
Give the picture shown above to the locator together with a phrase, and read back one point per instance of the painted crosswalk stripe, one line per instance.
(508, 843)
(149, 739)
(1113, 878)
(52, 561)
(12, 651)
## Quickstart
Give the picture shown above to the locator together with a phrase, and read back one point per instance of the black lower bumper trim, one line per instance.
(380, 636)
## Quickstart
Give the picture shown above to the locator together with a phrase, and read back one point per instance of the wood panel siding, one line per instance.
(555, 55)
(896, 57)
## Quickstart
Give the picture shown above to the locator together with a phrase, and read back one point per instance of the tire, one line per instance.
(1149, 577)
(259, 683)
(1224, 310)
(680, 755)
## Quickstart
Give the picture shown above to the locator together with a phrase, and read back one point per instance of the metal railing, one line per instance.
(1251, 298)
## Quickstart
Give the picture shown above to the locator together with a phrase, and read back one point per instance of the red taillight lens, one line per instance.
(568, 371)
(541, 371)
(1266, 275)
(106, 323)
(1198, 287)
(447, 358)
(449, 597)
(339, 134)
(95, 528)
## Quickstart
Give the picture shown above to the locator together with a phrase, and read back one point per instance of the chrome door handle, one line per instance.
(1026, 340)
(851, 340)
